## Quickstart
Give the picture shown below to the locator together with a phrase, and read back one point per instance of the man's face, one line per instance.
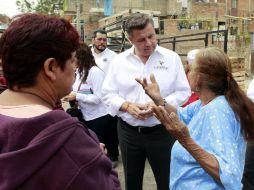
(144, 41)
(100, 42)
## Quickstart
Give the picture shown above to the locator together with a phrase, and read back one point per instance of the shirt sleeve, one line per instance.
(110, 90)
(223, 139)
(95, 163)
(95, 78)
(250, 91)
(182, 89)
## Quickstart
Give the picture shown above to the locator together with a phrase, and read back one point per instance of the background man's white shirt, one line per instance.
(104, 59)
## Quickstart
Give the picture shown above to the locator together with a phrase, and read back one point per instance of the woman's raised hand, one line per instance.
(172, 123)
(152, 89)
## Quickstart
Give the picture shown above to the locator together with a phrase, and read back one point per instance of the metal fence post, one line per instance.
(226, 41)
(206, 39)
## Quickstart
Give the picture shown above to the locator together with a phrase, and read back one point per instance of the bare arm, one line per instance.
(206, 160)
(180, 131)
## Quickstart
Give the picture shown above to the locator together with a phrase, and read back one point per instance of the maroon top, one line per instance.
(3, 81)
(52, 151)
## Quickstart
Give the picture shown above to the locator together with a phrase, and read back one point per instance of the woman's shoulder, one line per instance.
(219, 101)
(220, 107)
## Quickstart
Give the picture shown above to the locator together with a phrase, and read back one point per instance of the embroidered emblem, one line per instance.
(161, 62)
(161, 66)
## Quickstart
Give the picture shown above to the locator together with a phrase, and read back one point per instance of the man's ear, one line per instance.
(50, 68)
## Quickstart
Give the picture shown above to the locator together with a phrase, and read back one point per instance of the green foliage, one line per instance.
(51, 7)
(243, 39)
(247, 38)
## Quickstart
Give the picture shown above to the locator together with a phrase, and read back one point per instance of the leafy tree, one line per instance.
(40, 6)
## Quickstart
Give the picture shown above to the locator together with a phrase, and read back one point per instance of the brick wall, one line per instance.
(251, 26)
(245, 8)
(158, 5)
(90, 28)
(208, 10)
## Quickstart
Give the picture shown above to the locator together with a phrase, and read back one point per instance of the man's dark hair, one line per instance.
(137, 21)
(99, 31)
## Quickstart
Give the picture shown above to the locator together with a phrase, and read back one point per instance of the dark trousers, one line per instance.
(105, 128)
(136, 145)
(248, 174)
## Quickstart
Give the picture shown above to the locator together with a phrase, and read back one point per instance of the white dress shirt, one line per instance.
(120, 84)
(104, 58)
(250, 91)
(89, 95)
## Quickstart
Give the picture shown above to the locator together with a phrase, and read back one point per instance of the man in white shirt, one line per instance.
(103, 56)
(140, 134)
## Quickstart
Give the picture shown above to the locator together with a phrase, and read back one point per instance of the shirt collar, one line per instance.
(98, 54)
(130, 51)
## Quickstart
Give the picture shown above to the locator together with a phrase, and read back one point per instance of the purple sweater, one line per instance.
(52, 151)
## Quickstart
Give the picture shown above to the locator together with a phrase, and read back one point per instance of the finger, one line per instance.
(149, 115)
(175, 120)
(143, 112)
(140, 107)
(140, 117)
(154, 114)
(136, 113)
(152, 78)
(145, 82)
(140, 82)
(167, 119)
(146, 113)
(170, 118)
(157, 110)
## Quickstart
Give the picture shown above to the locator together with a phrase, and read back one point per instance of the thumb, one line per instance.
(140, 82)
